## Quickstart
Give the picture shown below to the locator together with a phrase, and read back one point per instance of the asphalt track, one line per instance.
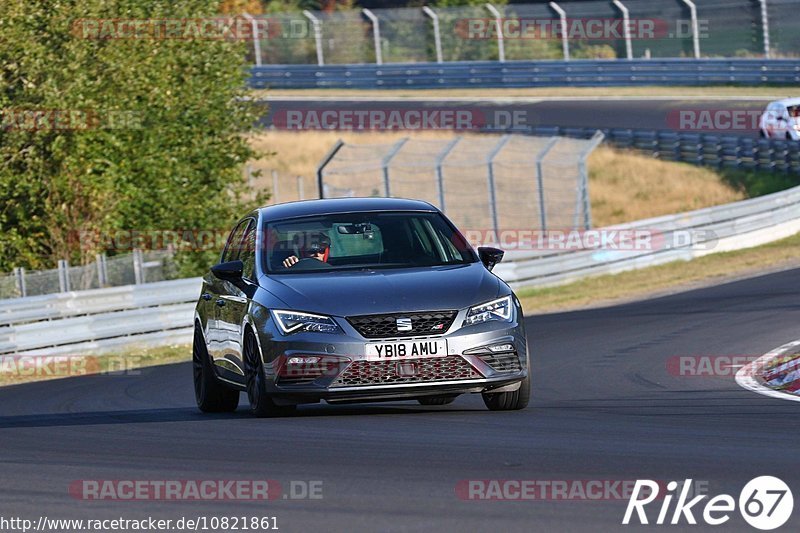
(605, 407)
(689, 115)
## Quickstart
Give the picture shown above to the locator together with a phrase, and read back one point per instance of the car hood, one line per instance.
(368, 292)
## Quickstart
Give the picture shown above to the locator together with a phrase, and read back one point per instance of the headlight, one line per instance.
(499, 309)
(294, 322)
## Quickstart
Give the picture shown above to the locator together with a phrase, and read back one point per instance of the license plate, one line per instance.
(393, 351)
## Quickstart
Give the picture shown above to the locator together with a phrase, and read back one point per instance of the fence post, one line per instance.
(439, 175)
(564, 30)
(540, 180)
(138, 272)
(256, 37)
(19, 274)
(275, 186)
(498, 23)
(765, 27)
(376, 34)
(582, 199)
(626, 28)
(321, 167)
(385, 165)
(63, 275)
(695, 31)
(315, 22)
(492, 191)
(437, 38)
(102, 275)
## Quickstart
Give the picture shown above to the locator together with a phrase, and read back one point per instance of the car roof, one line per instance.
(788, 102)
(330, 206)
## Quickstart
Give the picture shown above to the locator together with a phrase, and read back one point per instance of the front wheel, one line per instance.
(509, 401)
(261, 405)
(211, 395)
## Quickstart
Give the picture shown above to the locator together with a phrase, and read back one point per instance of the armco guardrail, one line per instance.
(491, 74)
(161, 313)
(714, 229)
(710, 149)
(98, 319)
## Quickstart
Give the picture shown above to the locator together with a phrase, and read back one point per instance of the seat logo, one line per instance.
(404, 324)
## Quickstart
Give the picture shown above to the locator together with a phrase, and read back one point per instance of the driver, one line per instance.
(317, 246)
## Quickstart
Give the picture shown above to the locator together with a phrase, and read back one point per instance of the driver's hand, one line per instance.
(289, 261)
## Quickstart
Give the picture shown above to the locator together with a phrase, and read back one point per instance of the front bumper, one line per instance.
(348, 375)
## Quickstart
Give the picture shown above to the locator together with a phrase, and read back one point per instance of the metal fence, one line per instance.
(480, 182)
(566, 30)
(128, 269)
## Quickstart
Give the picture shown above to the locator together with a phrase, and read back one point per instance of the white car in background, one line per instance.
(781, 120)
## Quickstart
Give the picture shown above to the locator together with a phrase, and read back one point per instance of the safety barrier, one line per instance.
(516, 74)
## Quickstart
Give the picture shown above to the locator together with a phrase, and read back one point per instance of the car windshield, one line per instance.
(363, 241)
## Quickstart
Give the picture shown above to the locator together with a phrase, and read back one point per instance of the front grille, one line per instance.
(385, 326)
(503, 362)
(452, 367)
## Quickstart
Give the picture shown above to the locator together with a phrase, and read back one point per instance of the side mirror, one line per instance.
(230, 271)
(490, 256)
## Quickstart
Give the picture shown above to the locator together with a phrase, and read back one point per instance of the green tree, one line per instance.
(163, 144)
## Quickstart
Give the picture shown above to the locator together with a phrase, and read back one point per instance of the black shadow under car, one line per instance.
(356, 300)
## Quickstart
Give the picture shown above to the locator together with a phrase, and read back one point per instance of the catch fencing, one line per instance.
(127, 269)
(564, 30)
(492, 183)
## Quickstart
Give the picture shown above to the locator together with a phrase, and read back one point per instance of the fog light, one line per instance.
(501, 348)
(302, 360)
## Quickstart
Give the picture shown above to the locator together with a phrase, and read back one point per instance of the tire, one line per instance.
(438, 400)
(211, 395)
(261, 405)
(510, 401)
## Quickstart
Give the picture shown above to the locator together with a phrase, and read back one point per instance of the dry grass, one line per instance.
(624, 186)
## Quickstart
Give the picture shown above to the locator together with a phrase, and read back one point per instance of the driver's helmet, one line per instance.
(317, 243)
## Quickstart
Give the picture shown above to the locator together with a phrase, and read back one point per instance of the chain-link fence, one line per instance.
(482, 183)
(128, 269)
(579, 29)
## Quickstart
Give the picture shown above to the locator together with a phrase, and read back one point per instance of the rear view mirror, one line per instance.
(490, 256)
(230, 271)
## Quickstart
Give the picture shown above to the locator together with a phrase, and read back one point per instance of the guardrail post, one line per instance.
(385, 165)
(317, 25)
(695, 31)
(540, 180)
(19, 274)
(439, 175)
(437, 38)
(498, 22)
(138, 271)
(275, 185)
(583, 194)
(300, 188)
(765, 27)
(564, 31)
(63, 275)
(376, 34)
(102, 272)
(321, 167)
(626, 28)
(492, 191)
(256, 37)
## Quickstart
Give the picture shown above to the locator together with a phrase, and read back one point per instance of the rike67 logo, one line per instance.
(765, 503)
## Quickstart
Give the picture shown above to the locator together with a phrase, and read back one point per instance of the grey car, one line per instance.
(356, 300)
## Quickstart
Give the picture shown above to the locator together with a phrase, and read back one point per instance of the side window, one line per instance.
(232, 247)
(248, 254)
